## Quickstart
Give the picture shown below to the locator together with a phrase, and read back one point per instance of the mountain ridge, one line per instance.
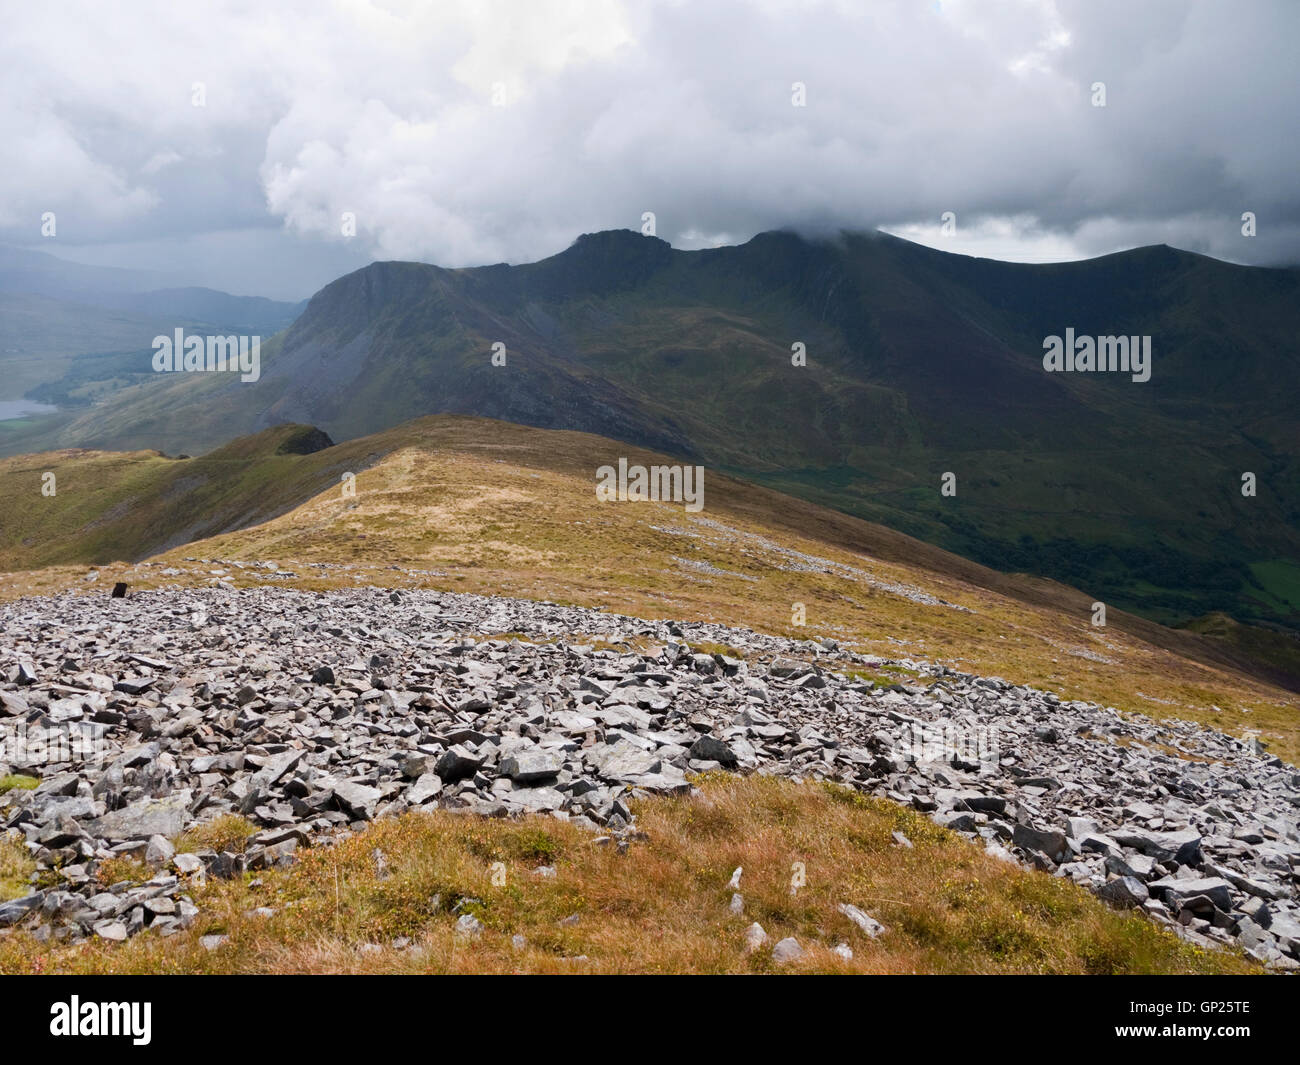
(919, 362)
(494, 508)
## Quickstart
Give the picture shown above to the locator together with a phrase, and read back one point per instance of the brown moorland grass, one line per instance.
(660, 907)
(16, 867)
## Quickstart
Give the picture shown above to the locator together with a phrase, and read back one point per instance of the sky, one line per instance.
(228, 142)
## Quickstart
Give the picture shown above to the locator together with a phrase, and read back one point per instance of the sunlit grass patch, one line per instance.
(388, 899)
(16, 867)
(229, 832)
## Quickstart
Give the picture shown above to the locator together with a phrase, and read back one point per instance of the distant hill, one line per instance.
(72, 334)
(39, 274)
(919, 363)
(207, 305)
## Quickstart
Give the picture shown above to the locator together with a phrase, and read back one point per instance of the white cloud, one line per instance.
(615, 108)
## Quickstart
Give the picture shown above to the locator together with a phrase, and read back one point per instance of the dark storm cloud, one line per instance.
(471, 132)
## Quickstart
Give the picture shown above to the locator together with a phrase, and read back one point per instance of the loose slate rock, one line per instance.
(711, 749)
(1124, 891)
(572, 718)
(142, 820)
(528, 767)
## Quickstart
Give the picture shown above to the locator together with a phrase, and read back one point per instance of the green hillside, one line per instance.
(918, 363)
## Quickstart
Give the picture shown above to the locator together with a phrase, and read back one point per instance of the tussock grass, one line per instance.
(122, 869)
(16, 866)
(661, 907)
(229, 832)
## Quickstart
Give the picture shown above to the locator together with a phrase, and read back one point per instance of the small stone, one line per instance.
(468, 926)
(1124, 891)
(187, 864)
(458, 762)
(787, 951)
(711, 749)
(113, 931)
(755, 937)
(867, 924)
(1044, 841)
(159, 851)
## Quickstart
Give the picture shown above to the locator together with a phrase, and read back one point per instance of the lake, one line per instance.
(21, 408)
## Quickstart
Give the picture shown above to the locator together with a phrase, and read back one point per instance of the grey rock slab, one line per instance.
(424, 790)
(162, 817)
(621, 760)
(459, 762)
(14, 910)
(529, 766)
(537, 800)
(114, 931)
(1178, 889)
(187, 864)
(357, 799)
(1180, 846)
(159, 851)
(1124, 891)
(980, 802)
(709, 748)
(1045, 841)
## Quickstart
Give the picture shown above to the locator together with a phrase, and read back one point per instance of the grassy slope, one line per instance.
(919, 363)
(113, 505)
(470, 505)
(662, 907)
